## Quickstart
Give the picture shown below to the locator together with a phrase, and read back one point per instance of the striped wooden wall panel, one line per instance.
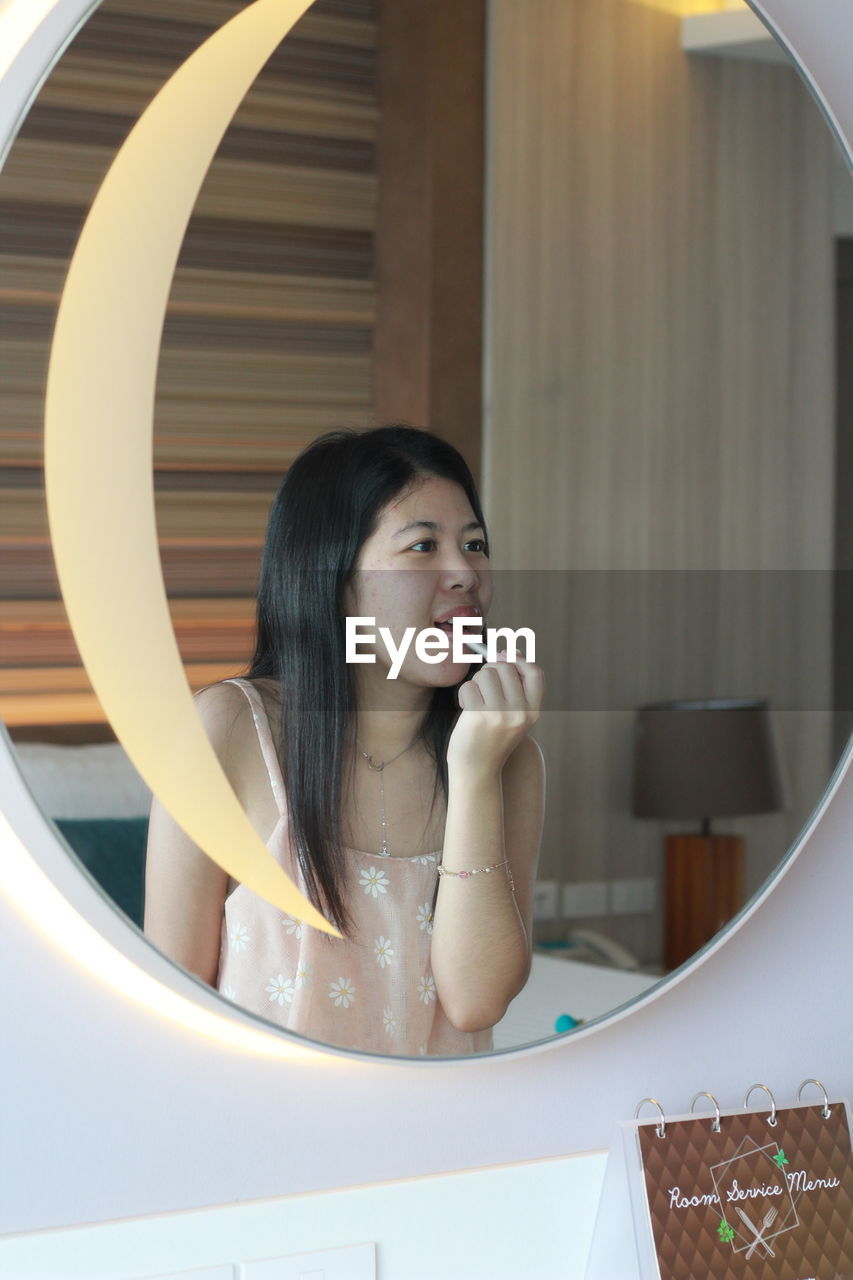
(59, 704)
(269, 331)
(208, 630)
(282, 194)
(659, 390)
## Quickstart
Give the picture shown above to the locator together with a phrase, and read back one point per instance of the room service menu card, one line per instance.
(754, 1200)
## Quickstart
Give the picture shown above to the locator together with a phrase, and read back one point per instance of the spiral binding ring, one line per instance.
(660, 1129)
(751, 1089)
(715, 1127)
(825, 1111)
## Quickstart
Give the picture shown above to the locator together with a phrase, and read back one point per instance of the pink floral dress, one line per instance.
(375, 993)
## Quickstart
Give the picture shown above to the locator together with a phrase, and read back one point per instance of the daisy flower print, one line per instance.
(342, 992)
(239, 937)
(426, 988)
(425, 917)
(383, 951)
(374, 882)
(281, 989)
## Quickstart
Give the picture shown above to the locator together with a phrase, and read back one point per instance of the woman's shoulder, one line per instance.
(215, 701)
(229, 706)
(225, 713)
(237, 733)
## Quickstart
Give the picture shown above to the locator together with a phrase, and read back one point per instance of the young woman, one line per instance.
(409, 810)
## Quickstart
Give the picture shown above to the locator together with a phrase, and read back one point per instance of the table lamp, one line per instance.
(714, 758)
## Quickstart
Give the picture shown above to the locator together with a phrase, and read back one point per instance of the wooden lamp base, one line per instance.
(704, 889)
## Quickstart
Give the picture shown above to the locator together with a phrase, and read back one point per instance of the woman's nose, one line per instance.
(458, 571)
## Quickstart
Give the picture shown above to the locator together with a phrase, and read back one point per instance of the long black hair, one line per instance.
(326, 507)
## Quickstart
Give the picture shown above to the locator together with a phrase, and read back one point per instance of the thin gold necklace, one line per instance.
(379, 768)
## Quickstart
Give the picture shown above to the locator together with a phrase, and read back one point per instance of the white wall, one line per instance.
(113, 1111)
(519, 1222)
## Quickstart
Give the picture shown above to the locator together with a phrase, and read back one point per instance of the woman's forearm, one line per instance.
(480, 951)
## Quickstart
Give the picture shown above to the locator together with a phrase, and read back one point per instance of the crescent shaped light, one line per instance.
(99, 444)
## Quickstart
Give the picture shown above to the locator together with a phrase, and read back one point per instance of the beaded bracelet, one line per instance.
(463, 875)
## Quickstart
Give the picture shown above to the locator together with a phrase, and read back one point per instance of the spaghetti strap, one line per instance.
(265, 738)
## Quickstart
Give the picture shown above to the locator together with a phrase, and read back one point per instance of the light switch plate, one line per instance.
(585, 899)
(354, 1262)
(633, 897)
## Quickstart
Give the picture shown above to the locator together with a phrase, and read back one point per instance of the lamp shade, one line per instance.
(707, 759)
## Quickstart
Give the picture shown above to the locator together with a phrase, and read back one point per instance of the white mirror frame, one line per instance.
(761, 1001)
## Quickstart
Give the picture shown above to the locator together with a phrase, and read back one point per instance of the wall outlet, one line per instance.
(585, 899)
(546, 900)
(633, 897)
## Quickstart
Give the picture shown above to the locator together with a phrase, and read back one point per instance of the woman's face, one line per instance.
(425, 560)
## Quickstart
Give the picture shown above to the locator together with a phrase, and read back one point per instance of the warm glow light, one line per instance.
(22, 880)
(18, 21)
(38, 899)
(687, 8)
(99, 416)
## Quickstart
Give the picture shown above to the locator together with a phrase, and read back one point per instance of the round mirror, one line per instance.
(667, 273)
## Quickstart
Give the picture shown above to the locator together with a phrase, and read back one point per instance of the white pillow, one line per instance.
(94, 781)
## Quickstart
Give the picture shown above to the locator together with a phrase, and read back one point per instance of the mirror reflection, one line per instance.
(644, 391)
(429, 872)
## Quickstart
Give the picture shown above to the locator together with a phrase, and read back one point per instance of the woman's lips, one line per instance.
(464, 611)
(446, 623)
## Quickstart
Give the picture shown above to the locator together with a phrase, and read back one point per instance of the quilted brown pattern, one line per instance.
(808, 1228)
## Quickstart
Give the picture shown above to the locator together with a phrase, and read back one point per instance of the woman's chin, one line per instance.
(443, 675)
(424, 675)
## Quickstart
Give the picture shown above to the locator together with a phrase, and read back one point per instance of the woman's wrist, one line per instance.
(472, 773)
(474, 825)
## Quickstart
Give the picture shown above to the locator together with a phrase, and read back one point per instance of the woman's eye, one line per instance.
(478, 544)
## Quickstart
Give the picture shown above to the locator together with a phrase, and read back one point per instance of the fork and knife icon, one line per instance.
(758, 1232)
